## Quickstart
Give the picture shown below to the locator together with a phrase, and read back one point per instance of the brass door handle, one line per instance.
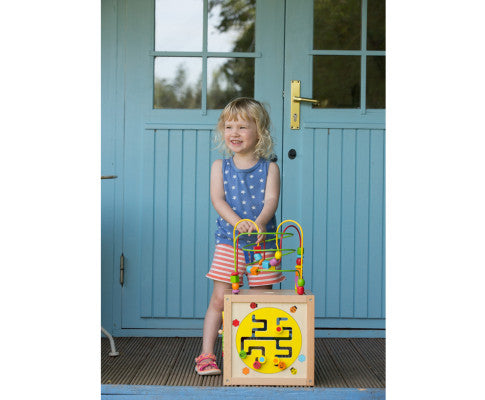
(295, 104)
(313, 101)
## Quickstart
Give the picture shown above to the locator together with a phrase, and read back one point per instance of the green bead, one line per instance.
(301, 282)
(242, 354)
(300, 251)
(235, 279)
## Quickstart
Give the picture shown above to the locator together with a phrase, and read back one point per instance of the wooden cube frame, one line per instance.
(288, 326)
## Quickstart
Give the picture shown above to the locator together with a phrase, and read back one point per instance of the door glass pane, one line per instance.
(336, 81)
(231, 25)
(337, 24)
(228, 78)
(178, 25)
(177, 82)
(376, 82)
(376, 25)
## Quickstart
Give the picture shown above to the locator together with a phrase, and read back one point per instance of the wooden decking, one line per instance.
(339, 363)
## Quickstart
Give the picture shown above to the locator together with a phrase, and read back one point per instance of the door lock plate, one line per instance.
(295, 105)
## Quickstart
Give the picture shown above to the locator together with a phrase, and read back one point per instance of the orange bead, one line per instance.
(235, 286)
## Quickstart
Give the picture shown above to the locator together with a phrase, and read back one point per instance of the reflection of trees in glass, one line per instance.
(337, 26)
(232, 79)
(176, 93)
(237, 74)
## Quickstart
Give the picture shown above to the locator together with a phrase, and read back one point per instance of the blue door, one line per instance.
(172, 79)
(335, 183)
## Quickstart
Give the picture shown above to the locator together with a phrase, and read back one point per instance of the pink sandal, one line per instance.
(206, 364)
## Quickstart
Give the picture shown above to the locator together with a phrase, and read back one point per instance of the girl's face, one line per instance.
(241, 136)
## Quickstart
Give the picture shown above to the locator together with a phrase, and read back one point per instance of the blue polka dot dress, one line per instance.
(244, 190)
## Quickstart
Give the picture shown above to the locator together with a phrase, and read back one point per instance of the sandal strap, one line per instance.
(207, 365)
(205, 356)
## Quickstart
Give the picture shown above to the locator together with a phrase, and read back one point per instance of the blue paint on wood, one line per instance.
(361, 223)
(133, 392)
(159, 214)
(347, 249)
(334, 236)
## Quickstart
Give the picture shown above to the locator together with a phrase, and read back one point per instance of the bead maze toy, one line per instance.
(268, 335)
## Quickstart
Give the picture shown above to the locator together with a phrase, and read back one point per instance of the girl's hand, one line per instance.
(244, 227)
(262, 228)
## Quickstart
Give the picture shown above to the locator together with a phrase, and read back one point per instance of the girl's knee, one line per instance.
(217, 299)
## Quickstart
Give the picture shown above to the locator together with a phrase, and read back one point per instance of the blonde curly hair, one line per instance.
(249, 110)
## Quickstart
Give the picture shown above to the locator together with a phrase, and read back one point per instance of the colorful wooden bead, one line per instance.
(256, 248)
(277, 255)
(301, 282)
(262, 359)
(253, 305)
(281, 365)
(299, 251)
(258, 257)
(265, 264)
(235, 291)
(300, 290)
(255, 270)
(234, 278)
(256, 365)
(248, 269)
(235, 286)
(242, 354)
(274, 262)
(298, 261)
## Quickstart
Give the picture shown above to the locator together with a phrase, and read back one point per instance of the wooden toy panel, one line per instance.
(268, 338)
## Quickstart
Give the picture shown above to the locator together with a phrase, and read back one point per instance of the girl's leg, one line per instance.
(213, 316)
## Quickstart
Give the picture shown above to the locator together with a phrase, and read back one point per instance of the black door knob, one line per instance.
(292, 154)
(274, 158)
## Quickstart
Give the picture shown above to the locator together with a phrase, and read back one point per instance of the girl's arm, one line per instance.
(219, 202)
(271, 198)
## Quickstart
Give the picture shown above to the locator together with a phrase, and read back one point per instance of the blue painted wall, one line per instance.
(158, 212)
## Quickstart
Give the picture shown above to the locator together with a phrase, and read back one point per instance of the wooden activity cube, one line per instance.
(268, 338)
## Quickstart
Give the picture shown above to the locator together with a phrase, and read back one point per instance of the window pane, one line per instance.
(228, 78)
(376, 25)
(336, 81)
(337, 24)
(231, 25)
(177, 82)
(178, 25)
(376, 82)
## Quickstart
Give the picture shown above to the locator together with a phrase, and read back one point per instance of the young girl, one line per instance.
(245, 186)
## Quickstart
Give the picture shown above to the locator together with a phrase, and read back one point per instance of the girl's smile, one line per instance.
(241, 136)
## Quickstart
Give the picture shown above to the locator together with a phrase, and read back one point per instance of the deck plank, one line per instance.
(373, 351)
(351, 365)
(327, 373)
(339, 363)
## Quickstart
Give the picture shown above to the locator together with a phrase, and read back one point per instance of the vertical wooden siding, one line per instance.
(177, 230)
(345, 264)
(343, 201)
